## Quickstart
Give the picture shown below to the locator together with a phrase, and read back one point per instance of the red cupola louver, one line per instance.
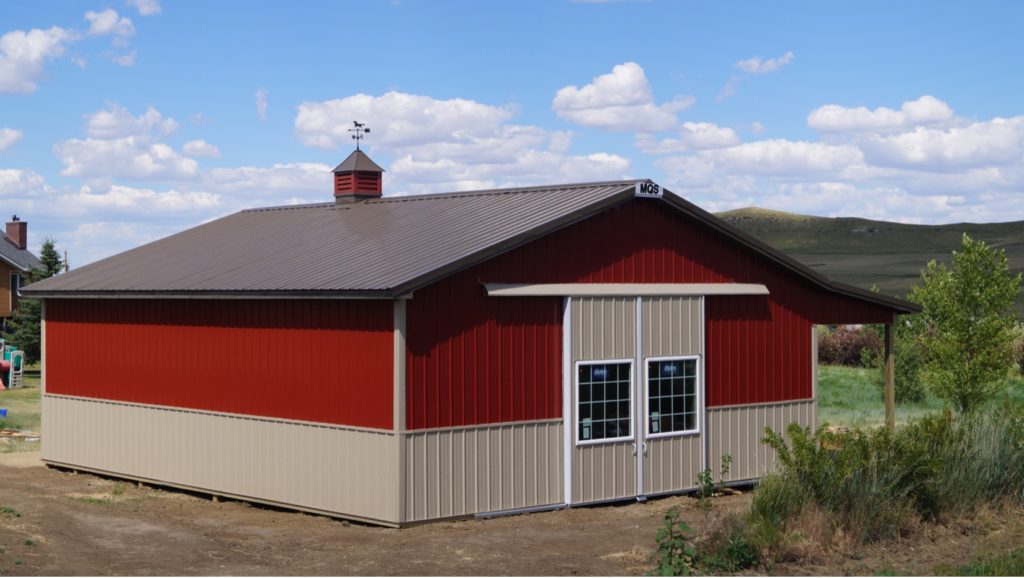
(357, 178)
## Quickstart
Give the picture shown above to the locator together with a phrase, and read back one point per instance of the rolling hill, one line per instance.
(864, 253)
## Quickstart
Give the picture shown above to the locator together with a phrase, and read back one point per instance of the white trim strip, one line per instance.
(640, 387)
(567, 410)
(761, 404)
(622, 289)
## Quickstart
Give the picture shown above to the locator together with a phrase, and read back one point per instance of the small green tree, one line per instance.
(968, 322)
(26, 321)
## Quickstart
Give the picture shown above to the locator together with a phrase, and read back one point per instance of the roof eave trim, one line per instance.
(780, 258)
(622, 289)
(229, 295)
(17, 266)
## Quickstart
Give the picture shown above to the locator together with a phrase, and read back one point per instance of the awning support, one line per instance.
(622, 289)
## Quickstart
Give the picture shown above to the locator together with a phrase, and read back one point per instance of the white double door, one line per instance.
(634, 392)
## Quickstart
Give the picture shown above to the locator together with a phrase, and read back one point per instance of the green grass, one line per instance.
(847, 397)
(1007, 564)
(23, 413)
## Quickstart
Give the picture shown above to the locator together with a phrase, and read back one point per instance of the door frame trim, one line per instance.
(567, 413)
(640, 386)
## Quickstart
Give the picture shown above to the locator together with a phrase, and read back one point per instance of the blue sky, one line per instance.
(122, 121)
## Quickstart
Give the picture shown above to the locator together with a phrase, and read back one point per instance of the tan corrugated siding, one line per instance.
(338, 470)
(671, 464)
(603, 328)
(671, 327)
(466, 471)
(737, 431)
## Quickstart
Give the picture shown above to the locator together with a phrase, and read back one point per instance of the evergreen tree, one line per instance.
(24, 327)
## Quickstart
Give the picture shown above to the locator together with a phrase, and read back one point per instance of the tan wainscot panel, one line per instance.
(465, 471)
(336, 470)
(671, 327)
(603, 328)
(737, 431)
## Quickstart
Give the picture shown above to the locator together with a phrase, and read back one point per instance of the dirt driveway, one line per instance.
(83, 524)
(58, 523)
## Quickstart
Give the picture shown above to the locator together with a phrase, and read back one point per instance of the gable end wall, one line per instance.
(473, 359)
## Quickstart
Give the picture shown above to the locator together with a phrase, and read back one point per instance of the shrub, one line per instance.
(865, 481)
(726, 548)
(675, 553)
(1018, 348)
(848, 345)
(777, 500)
(977, 458)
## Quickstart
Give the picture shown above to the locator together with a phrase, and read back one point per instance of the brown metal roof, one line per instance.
(377, 247)
(358, 161)
(383, 247)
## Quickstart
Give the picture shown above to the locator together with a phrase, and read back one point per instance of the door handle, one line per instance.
(644, 447)
(634, 448)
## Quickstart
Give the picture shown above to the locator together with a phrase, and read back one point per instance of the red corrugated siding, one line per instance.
(314, 360)
(475, 360)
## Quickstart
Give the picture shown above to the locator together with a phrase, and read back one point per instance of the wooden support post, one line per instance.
(890, 376)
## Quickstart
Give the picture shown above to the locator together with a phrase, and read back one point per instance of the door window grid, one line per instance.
(672, 404)
(604, 400)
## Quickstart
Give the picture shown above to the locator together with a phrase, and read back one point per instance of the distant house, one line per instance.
(15, 263)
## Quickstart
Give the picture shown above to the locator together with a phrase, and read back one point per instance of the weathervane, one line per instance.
(359, 132)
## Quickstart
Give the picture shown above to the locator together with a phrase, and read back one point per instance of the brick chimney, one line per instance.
(17, 232)
(357, 178)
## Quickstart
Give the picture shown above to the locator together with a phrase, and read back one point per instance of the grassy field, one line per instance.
(22, 413)
(865, 253)
(847, 397)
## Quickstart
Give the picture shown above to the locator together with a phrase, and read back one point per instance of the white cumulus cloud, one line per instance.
(917, 163)
(117, 121)
(834, 118)
(693, 136)
(620, 101)
(455, 144)
(123, 158)
(9, 136)
(131, 200)
(997, 142)
(127, 59)
(146, 7)
(21, 183)
(23, 55)
(396, 118)
(758, 65)
(109, 22)
(200, 148)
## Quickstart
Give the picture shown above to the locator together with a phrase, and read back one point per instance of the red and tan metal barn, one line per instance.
(404, 359)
